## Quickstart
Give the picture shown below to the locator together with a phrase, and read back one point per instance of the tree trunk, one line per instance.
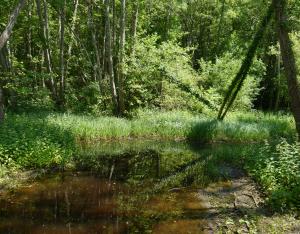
(70, 47)
(12, 21)
(122, 57)
(62, 56)
(239, 79)
(45, 39)
(5, 63)
(2, 112)
(4, 58)
(29, 36)
(217, 49)
(134, 26)
(289, 62)
(109, 57)
(98, 70)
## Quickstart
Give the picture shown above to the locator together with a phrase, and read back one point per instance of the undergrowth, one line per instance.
(277, 169)
(39, 140)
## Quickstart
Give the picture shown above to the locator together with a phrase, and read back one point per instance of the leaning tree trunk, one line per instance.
(239, 79)
(4, 37)
(109, 57)
(13, 19)
(289, 62)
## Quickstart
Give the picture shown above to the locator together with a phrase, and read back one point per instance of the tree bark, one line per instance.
(134, 27)
(2, 112)
(122, 57)
(44, 27)
(109, 57)
(29, 35)
(6, 65)
(98, 69)
(12, 21)
(288, 59)
(62, 56)
(70, 47)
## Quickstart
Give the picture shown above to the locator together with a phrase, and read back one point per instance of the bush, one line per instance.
(148, 86)
(277, 168)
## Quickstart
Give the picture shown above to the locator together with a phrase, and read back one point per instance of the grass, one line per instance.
(38, 140)
(241, 127)
(52, 140)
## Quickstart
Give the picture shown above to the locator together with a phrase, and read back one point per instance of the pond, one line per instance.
(129, 187)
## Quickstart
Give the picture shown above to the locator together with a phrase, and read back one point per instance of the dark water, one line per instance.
(137, 187)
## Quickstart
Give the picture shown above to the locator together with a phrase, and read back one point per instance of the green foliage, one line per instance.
(24, 93)
(216, 78)
(32, 142)
(148, 86)
(277, 169)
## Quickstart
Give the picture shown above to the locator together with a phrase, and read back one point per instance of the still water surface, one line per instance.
(137, 187)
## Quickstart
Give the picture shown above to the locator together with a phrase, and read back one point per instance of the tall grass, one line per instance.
(43, 139)
(239, 127)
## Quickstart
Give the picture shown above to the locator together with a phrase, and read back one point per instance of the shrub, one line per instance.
(277, 168)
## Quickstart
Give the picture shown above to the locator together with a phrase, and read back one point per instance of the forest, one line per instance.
(149, 116)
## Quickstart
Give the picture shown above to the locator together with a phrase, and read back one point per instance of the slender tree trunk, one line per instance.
(109, 57)
(122, 57)
(98, 69)
(5, 63)
(70, 47)
(115, 42)
(12, 21)
(2, 112)
(277, 99)
(29, 35)
(217, 49)
(4, 58)
(46, 36)
(62, 56)
(134, 26)
(288, 59)
(45, 39)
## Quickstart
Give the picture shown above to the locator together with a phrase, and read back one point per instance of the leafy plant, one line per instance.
(277, 168)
